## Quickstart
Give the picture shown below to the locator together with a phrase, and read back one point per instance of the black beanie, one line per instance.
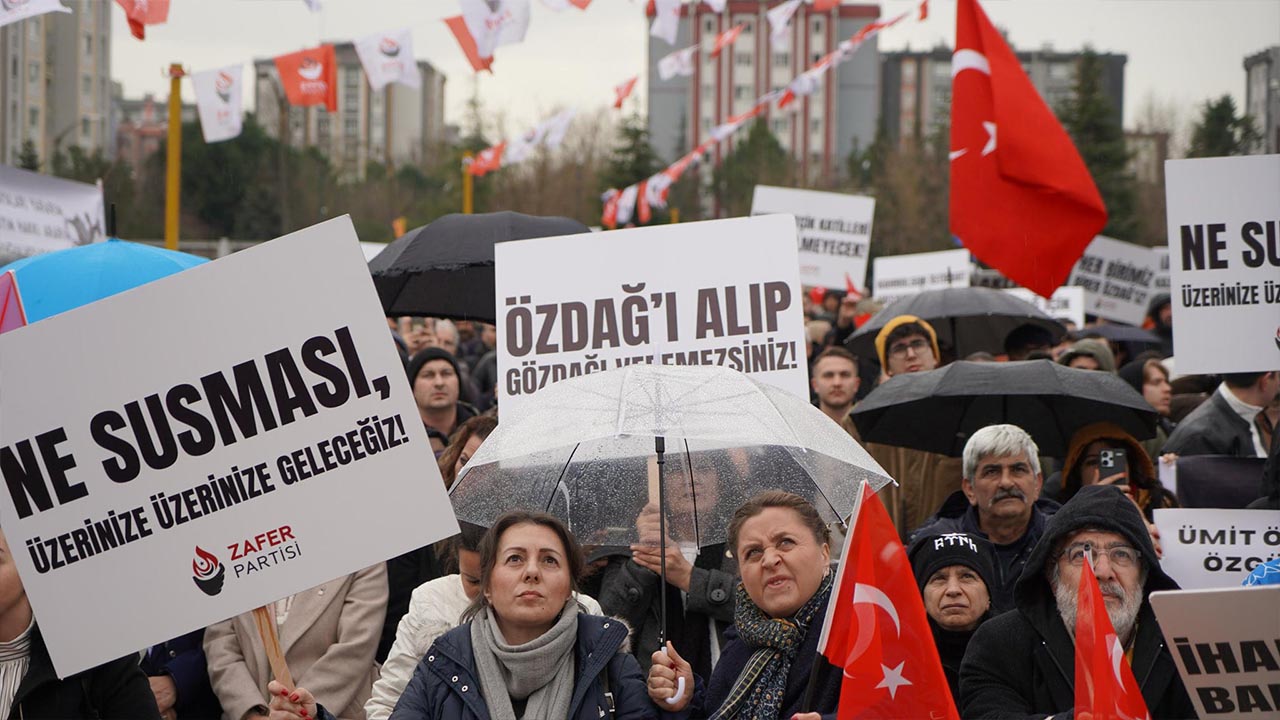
(931, 553)
(426, 354)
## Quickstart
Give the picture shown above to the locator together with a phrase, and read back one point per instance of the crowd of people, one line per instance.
(519, 620)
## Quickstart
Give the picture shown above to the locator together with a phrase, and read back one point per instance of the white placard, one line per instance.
(40, 213)
(1207, 548)
(219, 101)
(1067, 303)
(903, 275)
(834, 229)
(1161, 283)
(1224, 241)
(721, 292)
(1226, 644)
(290, 450)
(1118, 279)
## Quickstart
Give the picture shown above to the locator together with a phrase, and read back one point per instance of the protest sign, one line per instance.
(903, 275)
(1161, 284)
(170, 462)
(833, 233)
(1224, 238)
(1067, 303)
(40, 213)
(722, 292)
(1226, 644)
(1208, 548)
(1118, 279)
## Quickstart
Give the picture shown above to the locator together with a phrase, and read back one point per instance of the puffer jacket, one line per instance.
(445, 685)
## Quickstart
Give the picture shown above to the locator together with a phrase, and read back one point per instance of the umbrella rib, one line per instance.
(559, 481)
(693, 493)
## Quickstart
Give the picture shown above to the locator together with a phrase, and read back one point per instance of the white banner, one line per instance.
(722, 292)
(1206, 548)
(1118, 279)
(40, 213)
(1224, 237)
(834, 233)
(1161, 284)
(12, 11)
(219, 102)
(494, 23)
(903, 275)
(666, 20)
(1226, 644)
(1067, 303)
(388, 57)
(186, 476)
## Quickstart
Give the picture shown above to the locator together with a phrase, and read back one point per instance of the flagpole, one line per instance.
(173, 163)
(468, 190)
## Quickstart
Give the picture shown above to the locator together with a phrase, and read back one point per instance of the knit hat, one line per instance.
(883, 337)
(931, 553)
(1096, 349)
(425, 355)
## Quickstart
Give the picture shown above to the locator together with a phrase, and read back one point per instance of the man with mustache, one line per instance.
(998, 500)
(1022, 663)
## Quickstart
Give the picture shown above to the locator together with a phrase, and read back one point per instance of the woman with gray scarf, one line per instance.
(526, 649)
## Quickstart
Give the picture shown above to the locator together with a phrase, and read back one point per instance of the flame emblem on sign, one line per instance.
(389, 47)
(222, 84)
(207, 572)
(310, 69)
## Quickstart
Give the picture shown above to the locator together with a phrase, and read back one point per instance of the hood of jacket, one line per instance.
(1103, 507)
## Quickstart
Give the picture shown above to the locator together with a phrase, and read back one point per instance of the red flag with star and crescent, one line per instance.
(1022, 199)
(876, 627)
(1105, 687)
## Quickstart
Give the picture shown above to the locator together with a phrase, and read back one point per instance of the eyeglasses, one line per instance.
(1117, 555)
(918, 346)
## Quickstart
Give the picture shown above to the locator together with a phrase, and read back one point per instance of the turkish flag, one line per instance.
(876, 627)
(1105, 687)
(310, 77)
(1022, 199)
(487, 160)
(141, 13)
(622, 91)
(726, 38)
(458, 26)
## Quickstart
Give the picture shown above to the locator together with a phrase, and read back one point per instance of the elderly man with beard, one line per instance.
(1022, 663)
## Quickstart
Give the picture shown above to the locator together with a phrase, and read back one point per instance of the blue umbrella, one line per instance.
(41, 286)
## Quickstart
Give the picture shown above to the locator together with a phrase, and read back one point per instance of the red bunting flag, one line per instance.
(1022, 200)
(609, 218)
(622, 91)
(1105, 687)
(310, 77)
(487, 160)
(726, 38)
(924, 9)
(458, 26)
(141, 13)
(876, 627)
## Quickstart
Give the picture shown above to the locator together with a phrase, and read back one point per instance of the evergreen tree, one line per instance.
(759, 159)
(1088, 117)
(633, 158)
(1220, 132)
(27, 157)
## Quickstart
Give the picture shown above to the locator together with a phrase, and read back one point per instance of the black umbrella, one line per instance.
(969, 319)
(445, 269)
(1121, 333)
(938, 410)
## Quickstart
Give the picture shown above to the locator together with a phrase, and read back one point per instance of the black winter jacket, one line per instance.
(1022, 664)
(117, 690)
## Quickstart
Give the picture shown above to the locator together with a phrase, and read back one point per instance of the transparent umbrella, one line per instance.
(597, 450)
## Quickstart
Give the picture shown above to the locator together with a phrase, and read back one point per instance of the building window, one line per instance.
(709, 26)
(815, 124)
(742, 59)
(33, 31)
(780, 125)
(86, 85)
(747, 28)
(13, 67)
(33, 118)
(817, 25)
(816, 57)
(782, 60)
(741, 92)
(88, 44)
(1060, 71)
(33, 71)
(85, 128)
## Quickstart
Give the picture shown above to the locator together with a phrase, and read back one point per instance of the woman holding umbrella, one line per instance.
(783, 552)
(525, 651)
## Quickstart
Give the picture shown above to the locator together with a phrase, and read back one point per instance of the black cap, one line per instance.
(425, 355)
(931, 553)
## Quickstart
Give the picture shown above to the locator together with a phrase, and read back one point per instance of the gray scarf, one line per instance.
(540, 670)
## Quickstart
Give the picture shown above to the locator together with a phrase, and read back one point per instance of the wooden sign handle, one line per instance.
(265, 618)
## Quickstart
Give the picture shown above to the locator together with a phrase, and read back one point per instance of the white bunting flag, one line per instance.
(679, 62)
(627, 203)
(388, 57)
(313, 5)
(494, 23)
(549, 133)
(780, 23)
(11, 11)
(666, 21)
(715, 5)
(219, 102)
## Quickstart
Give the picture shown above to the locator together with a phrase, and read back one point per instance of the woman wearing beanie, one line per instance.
(954, 571)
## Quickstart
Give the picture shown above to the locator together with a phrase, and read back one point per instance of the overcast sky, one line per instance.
(1179, 51)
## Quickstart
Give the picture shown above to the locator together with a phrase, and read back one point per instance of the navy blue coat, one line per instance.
(445, 686)
(182, 659)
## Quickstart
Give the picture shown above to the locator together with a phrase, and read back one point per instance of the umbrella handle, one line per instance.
(679, 686)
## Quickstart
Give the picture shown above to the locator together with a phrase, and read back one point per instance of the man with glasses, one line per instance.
(1022, 663)
(908, 344)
